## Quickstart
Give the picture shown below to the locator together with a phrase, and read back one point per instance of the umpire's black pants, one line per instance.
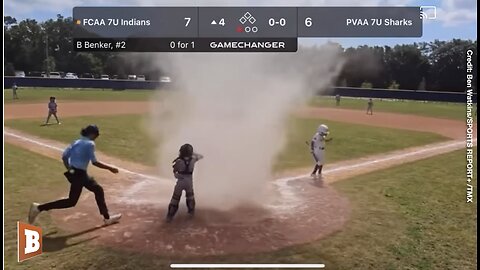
(79, 179)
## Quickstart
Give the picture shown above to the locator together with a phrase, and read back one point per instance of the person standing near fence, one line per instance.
(337, 99)
(14, 91)
(370, 107)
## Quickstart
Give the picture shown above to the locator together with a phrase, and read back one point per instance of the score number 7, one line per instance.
(187, 21)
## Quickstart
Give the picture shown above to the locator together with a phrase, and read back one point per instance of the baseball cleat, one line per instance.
(113, 219)
(168, 219)
(33, 213)
(314, 176)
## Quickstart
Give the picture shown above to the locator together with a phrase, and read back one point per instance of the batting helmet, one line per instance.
(323, 129)
(186, 150)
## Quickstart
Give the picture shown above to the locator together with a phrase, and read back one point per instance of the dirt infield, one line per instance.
(314, 209)
(70, 109)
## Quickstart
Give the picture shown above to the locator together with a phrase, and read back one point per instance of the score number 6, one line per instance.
(308, 22)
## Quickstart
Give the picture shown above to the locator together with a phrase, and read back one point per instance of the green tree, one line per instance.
(365, 63)
(23, 45)
(86, 63)
(448, 64)
(406, 65)
(49, 64)
(60, 33)
(9, 69)
(8, 21)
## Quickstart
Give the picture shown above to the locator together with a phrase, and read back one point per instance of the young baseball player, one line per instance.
(370, 107)
(52, 110)
(14, 91)
(76, 158)
(317, 148)
(183, 167)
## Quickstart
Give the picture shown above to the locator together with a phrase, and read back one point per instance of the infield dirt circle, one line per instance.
(299, 210)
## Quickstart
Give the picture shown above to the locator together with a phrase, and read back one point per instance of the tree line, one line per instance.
(437, 65)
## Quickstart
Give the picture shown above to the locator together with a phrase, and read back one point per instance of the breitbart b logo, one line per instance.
(29, 241)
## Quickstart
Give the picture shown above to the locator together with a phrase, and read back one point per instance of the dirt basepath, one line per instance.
(350, 168)
(449, 128)
(312, 207)
(71, 109)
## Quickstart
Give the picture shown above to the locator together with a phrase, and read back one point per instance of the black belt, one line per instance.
(74, 174)
(73, 170)
(321, 148)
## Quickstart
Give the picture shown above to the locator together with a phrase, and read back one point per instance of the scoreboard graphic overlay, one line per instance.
(233, 29)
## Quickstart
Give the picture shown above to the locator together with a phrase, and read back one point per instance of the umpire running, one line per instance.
(76, 158)
(183, 167)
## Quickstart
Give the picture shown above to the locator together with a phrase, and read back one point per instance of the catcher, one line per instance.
(183, 167)
(317, 148)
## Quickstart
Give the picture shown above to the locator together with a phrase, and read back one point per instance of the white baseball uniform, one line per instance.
(318, 142)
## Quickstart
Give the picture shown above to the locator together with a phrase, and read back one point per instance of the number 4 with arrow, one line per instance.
(221, 22)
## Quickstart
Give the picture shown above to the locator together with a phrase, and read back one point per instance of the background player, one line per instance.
(52, 110)
(183, 167)
(317, 148)
(370, 107)
(76, 158)
(14, 91)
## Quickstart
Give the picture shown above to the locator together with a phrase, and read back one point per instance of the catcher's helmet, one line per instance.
(186, 150)
(323, 129)
(90, 130)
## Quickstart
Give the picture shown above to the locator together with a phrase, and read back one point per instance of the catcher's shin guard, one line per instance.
(190, 203)
(172, 210)
(173, 206)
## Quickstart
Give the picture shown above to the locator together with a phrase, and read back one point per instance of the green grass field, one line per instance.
(433, 109)
(35, 95)
(410, 217)
(134, 144)
(413, 216)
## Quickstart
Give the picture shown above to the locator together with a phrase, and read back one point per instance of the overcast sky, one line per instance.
(455, 18)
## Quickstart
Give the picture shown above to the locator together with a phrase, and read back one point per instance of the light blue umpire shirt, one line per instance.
(80, 153)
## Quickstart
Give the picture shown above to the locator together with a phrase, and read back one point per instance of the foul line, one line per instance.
(384, 159)
(454, 144)
(146, 176)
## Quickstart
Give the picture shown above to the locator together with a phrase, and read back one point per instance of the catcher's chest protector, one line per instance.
(187, 169)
